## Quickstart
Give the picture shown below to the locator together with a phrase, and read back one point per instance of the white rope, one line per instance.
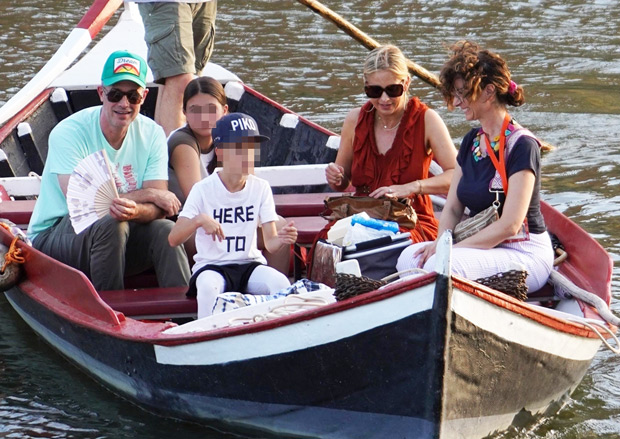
(407, 271)
(293, 303)
(592, 324)
(561, 281)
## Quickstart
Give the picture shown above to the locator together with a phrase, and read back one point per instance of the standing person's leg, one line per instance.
(99, 251)
(169, 107)
(204, 32)
(148, 247)
(170, 41)
(266, 280)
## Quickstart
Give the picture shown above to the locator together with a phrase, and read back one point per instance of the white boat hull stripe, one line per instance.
(518, 329)
(301, 335)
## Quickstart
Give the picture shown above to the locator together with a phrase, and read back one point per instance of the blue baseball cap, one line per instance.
(236, 128)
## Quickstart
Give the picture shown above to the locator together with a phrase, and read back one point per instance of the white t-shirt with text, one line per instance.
(239, 213)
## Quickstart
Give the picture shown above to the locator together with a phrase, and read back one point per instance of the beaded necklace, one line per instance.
(500, 162)
(478, 149)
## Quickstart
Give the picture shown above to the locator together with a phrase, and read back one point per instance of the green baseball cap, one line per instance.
(124, 66)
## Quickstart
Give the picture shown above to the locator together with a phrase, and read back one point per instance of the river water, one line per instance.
(566, 54)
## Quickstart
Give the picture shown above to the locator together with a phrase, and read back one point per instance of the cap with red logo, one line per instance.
(124, 66)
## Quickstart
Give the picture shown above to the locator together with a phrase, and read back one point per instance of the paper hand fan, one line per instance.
(90, 191)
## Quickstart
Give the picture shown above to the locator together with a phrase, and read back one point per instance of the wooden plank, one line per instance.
(151, 302)
(18, 212)
(307, 227)
(309, 204)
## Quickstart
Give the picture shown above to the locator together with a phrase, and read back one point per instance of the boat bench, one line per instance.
(151, 303)
(308, 204)
(18, 211)
(303, 209)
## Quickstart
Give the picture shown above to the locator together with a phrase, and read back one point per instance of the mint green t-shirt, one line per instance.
(142, 157)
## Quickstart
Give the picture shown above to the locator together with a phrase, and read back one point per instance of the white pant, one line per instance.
(264, 280)
(472, 263)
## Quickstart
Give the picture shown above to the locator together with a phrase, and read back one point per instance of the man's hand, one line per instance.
(166, 201)
(123, 209)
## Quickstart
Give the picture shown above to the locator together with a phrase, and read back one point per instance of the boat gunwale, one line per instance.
(285, 110)
(526, 309)
(97, 15)
(28, 110)
(152, 332)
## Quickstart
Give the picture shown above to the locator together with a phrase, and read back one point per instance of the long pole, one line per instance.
(366, 40)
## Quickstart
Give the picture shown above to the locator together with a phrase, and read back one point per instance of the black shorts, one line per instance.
(235, 276)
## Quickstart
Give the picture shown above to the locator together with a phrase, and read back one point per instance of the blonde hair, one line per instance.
(389, 58)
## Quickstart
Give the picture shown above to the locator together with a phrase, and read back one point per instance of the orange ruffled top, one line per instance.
(406, 161)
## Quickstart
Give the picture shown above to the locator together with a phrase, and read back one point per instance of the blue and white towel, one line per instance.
(231, 300)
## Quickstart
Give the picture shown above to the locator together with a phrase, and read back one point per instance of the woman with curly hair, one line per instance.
(479, 82)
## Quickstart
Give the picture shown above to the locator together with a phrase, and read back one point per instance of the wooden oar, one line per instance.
(371, 43)
(365, 40)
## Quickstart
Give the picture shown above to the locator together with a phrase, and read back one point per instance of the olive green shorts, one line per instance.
(179, 36)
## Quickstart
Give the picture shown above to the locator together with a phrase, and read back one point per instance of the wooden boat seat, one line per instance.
(303, 209)
(309, 204)
(307, 228)
(18, 211)
(151, 303)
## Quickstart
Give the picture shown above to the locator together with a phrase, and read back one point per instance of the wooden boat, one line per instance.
(434, 356)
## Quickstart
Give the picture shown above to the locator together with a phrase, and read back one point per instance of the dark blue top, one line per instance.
(473, 189)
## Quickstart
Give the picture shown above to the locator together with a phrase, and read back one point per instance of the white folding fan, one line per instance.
(90, 191)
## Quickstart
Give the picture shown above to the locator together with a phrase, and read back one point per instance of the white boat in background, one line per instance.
(435, 356)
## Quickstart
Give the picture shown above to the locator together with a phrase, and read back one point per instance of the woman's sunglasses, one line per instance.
(375, 91)
(115, 95)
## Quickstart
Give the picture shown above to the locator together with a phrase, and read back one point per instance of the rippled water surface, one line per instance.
(565, 53)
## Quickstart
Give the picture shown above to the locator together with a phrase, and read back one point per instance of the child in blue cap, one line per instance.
(225, 210)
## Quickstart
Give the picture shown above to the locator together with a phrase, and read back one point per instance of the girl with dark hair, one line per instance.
(499, 160)
(190, 148)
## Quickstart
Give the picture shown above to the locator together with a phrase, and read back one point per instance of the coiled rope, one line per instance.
(11, 268)
(13, 255)
(292, 304)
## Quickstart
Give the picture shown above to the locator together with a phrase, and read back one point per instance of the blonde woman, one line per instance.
(388, 144)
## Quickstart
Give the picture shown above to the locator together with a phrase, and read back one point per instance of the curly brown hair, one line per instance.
(478, 68)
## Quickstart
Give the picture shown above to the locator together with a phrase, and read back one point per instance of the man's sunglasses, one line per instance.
(115, 95)
(393, 90)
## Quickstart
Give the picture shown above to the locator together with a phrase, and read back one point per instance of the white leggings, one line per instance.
(472, 263)
(264, 280)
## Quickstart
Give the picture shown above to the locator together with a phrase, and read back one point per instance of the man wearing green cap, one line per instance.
(133, 237)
